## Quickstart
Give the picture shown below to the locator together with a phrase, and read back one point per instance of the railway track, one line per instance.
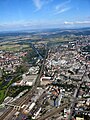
(53, 112)
(24, 98)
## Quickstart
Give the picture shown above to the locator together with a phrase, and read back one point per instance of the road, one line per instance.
(75, 96)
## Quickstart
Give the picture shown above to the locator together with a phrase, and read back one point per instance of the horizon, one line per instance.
(16, 15)
(36, 30)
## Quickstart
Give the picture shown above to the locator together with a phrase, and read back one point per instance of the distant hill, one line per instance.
(48, 32)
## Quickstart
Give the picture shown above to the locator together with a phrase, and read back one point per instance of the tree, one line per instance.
(21, 69)
(29, 117)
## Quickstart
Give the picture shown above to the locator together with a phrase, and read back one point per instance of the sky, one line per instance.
(36, 14)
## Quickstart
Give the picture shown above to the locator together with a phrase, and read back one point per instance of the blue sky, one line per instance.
(28, 14)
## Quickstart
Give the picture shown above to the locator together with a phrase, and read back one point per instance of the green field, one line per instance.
(13, 47)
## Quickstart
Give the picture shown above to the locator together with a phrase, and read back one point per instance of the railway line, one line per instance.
(23, 99)
(53, 112)
(7, 115)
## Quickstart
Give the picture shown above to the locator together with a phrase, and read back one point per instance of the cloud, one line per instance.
(63, 4)
(40, 3)
(63, 7)
(30, 24)
(63, 10)
(88, 17)
(68, 23)
(76, 22)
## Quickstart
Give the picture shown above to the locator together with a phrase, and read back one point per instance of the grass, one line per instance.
(0, 83)
(2, 93)
(4, 90)
(13, 47)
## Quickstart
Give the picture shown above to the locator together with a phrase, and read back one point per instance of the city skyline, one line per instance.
(22, 14)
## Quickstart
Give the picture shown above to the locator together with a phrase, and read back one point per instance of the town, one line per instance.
(45, 79)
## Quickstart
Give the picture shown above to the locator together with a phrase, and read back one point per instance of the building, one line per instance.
(45, 80)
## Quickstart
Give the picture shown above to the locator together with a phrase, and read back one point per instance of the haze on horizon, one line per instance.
(32, 14)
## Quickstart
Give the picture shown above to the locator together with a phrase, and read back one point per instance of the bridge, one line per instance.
(14, 106)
